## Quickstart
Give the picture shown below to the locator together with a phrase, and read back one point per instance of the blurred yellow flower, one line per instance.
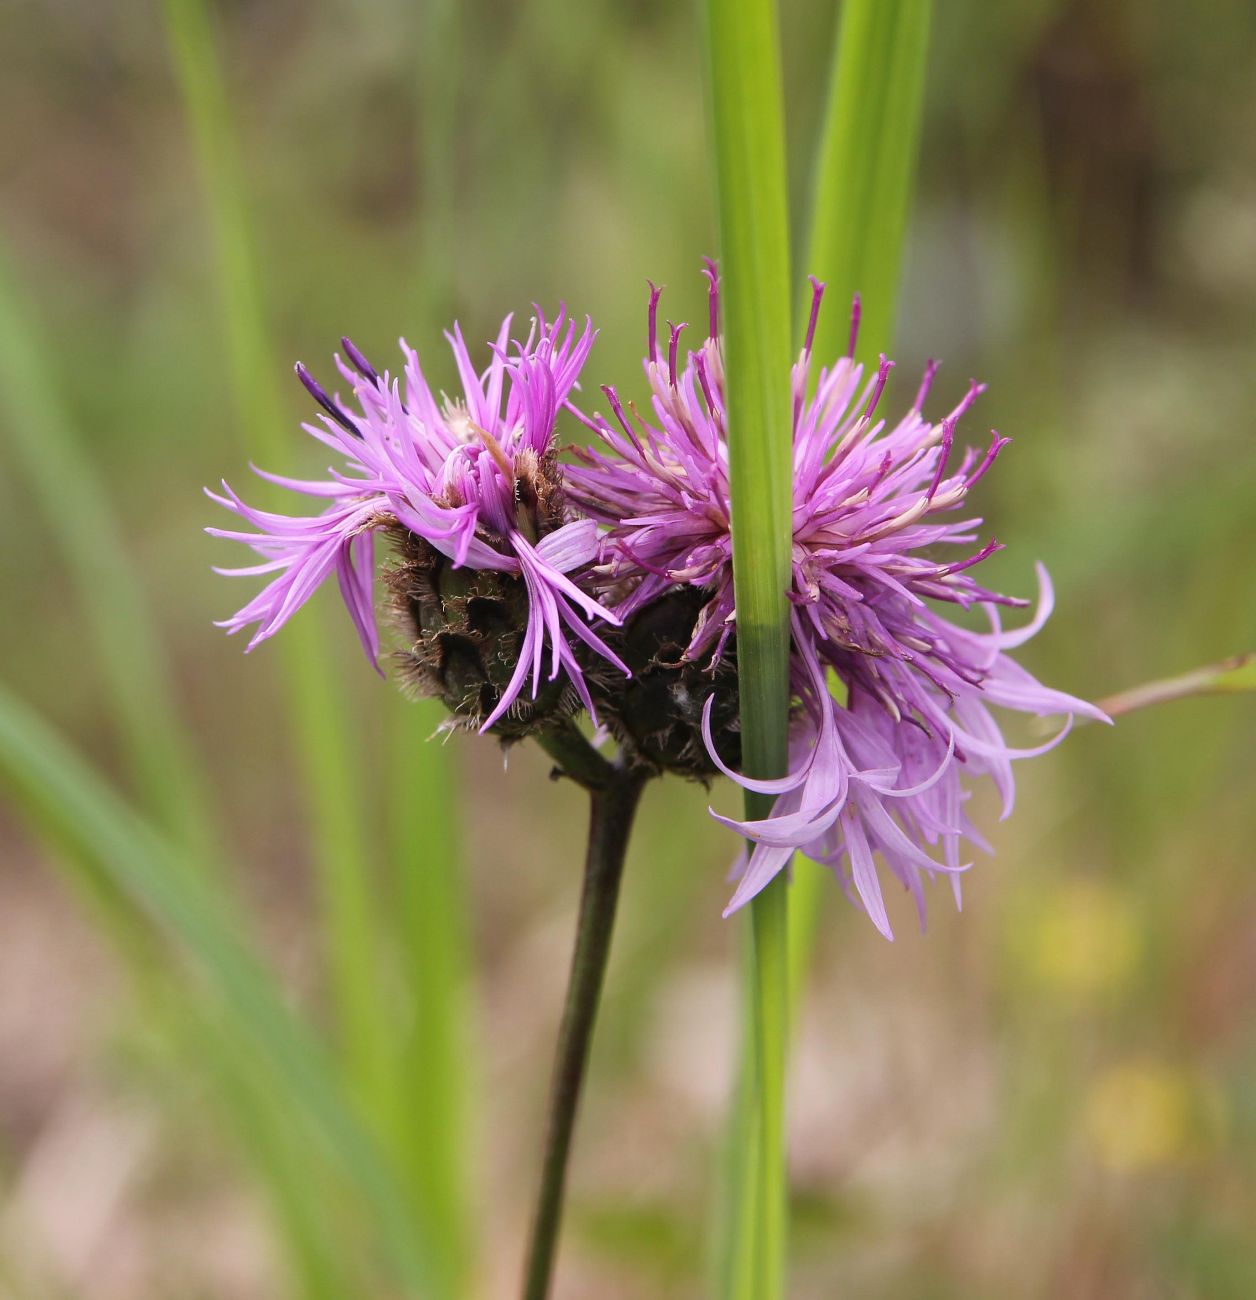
(1141, 1114)
(1084, 939)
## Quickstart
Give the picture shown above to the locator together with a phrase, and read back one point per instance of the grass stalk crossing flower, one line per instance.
(748, 135)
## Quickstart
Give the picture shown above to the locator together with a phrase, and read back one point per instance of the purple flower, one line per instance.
(475, 477)
(893, 719)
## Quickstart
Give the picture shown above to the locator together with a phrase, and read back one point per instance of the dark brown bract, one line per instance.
(657, 714)
(462, 633)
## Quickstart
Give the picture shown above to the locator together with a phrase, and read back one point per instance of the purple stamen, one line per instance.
(699, 364)
(887, 464)
(817, 292)
(986, 551)
(948, 440)
(990, 457)
(655, 294)
(926, 383)
(358, 361)
(316, 391)
(975, 389)
(672, 348)
(711, 271)
(884, 367)
(856, 310)
(612, 396)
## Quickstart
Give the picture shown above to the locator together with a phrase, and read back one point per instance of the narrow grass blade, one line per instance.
(99, 834)
(203, 1042)
(276, 1149)
(435, 1074)
(865, 167)
(322, 738)
(439, 87)
(80, 523)
(435, 1071)
(748, 133)
(263, 415)
(864, 173)
(736, 1264)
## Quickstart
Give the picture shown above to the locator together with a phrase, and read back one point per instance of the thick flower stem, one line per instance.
(574, 756)
(613, 805)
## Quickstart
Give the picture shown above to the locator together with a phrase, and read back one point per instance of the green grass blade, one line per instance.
(322, 737)
(436, 1078)
(770, 991)
(866, 166)
(81, 524)
(737, 1243)
(864, 172)
(174, 1010)
(274, 1146)
(434, 939)
(330, 764)
(748, 132)
(755, 297)
(60, 795)
(440, 87)
(263, 415)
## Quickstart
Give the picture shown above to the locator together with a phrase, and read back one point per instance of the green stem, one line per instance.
(613, 806)
(574, 757)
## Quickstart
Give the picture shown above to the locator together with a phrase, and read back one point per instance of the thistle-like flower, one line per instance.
(892, 718)
(470, 492)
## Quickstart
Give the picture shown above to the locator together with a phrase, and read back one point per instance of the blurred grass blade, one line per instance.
(202, 1043)
(864, 173)
(435, 1072)
(103, 837)
(80, 523)
(439, 102)
(323, 741)
(1226, 678)
(277, 1152)
(263, 416)
(749, 138)
(865, 168)
(435, 1147)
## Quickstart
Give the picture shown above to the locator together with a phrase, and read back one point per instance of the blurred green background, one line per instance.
(1050, 1094)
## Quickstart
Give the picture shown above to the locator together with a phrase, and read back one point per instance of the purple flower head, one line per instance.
(893, 716)
(474, 476)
